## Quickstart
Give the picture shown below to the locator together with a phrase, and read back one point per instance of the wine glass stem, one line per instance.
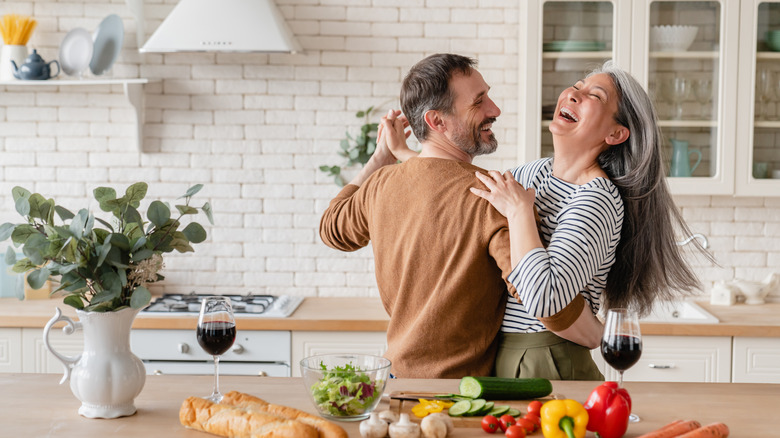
(620, 379)
(216, 393)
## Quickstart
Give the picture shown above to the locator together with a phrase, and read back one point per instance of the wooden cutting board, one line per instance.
(402, 406)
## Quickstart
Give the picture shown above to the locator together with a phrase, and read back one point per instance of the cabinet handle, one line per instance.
(238, 349)
(262, 374)
(157, 373)
(661, 367)
(183, 347)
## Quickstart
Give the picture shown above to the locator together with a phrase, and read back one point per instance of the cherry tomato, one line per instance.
(535, 407)
(534, 419)
(527, 424)
(515, 431)
(490, 423)
(505, 421)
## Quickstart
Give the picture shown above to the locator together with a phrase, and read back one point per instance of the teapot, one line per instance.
(35, 68)
(681, 158)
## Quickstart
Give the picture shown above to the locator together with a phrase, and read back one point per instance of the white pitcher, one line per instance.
(106, 377)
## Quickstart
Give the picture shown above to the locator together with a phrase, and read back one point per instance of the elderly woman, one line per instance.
(607, 226)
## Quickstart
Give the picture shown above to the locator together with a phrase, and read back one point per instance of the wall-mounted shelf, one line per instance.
(133, 91)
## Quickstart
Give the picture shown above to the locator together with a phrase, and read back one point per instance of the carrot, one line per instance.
(714, 430)
(673, 429)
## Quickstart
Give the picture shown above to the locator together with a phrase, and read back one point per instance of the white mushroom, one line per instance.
(433, 427)
(446, 419)
(404, 428)
(373, 427)
(389, 416)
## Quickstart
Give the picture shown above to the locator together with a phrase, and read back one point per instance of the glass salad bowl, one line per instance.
(345, 386)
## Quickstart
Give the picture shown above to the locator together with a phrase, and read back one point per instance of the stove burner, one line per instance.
(257, 305)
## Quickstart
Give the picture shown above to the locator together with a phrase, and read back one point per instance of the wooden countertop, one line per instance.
(35, 405)
(367, 314)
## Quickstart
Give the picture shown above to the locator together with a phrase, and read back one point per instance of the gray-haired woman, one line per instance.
(608, 226)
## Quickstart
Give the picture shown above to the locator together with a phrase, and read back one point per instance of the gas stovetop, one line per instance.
(258, 306)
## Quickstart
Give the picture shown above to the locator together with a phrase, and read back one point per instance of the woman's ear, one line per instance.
(434, 121)
(618, 135)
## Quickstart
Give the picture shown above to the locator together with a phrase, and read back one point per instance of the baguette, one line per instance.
(325, 428)
(234, 422)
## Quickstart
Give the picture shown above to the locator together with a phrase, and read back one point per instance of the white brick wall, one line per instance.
(255, 127)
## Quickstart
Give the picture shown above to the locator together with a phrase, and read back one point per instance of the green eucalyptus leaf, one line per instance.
(158, 213)
(89, 224)
(195, 232)
(206, 209)
(131, 215)
(192, 191)
(105, 224)
(78, 222)
(142, 255)
(120, 241)
(103, 195)
(10, 256)
(34, 248)
(138, 244)
(360, 114)
(103, 306)
(36, 202)
(111, 282)
(69, 250)
(21, 233)
(344, 144)
(22, 266)
(140, 298)
(20, 192)
(181, 245)
(136, 193)
(186, 209)
(74, 301)
(122, 273)
(37, 278)
(23, 206)
(102, 251)
(117, 258)
(5, 230)
(64, 269)
(63, 213)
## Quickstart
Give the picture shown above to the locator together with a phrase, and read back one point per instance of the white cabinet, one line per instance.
(308, 343)
(726, 134)
(10, 350)
(756, 360)
(677, 359)
(37, 359)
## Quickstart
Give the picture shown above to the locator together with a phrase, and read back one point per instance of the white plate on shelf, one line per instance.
(108, 43)
(76, 51)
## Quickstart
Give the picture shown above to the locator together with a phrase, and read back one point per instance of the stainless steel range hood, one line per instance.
(223, 26)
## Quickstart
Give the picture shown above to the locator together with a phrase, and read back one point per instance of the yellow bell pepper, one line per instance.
(564, 419)
(426, 407)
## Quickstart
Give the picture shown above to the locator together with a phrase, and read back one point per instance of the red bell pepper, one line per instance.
(608, 409)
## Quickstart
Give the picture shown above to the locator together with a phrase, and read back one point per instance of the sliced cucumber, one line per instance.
(499, 410)
(488, 407)
(498, 388)
(459, 408)
(513, 412)
(476, 406)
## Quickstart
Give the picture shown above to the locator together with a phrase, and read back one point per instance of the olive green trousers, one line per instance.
(545, 355)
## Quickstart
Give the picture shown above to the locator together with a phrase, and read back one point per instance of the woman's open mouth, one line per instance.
(568, 115)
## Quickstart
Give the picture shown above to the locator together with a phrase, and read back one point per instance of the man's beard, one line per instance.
(471, 142)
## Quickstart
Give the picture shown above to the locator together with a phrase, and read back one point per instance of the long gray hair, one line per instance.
(648, 262)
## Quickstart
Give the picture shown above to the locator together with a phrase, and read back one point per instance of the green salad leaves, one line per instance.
(345, 391)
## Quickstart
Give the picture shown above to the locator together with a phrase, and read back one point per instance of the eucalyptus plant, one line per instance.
(357, 149)
(102, 265)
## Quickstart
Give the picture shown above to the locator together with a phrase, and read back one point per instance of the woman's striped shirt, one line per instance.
(580, 225)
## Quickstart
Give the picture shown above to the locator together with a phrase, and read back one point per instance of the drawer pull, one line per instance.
(661, 367)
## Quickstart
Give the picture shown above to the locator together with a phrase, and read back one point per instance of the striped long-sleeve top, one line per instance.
(580, 225)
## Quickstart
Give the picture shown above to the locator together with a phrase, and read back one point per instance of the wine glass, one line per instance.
(621, 344)
(702, 90)
(678, 90)
(216, 333)
(764, 92)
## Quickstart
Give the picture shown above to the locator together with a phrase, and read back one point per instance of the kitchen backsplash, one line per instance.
(254, 128)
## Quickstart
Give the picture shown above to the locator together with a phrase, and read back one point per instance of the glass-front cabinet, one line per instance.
(691, 56)
(758, 133)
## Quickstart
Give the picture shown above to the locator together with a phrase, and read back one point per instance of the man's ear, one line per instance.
(434, 121)
(618, 135)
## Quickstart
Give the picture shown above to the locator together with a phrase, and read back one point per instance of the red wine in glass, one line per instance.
(621, 344)
(216, 337)
(216, 333)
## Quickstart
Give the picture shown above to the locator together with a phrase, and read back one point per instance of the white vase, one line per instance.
(106, 377)
(10, 53)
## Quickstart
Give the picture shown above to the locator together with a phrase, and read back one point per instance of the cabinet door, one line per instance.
(756, 360)
(685, 53)
(758, 136)
(677, 359)
(559, 43)
(309, 343)
(10, 350)
(37, 359)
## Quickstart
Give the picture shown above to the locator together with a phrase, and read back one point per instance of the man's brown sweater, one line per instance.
(442, 257)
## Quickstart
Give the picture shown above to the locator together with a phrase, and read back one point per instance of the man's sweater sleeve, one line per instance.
(344, 225)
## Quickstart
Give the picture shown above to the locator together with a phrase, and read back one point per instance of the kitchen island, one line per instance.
(34, 405)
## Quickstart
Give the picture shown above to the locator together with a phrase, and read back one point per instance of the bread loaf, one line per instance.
(235, 422)
(325, 428)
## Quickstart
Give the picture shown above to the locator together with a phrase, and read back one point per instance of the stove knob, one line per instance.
(238, 349)
(183, 348)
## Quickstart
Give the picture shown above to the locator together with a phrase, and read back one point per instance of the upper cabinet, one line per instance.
(697, 59)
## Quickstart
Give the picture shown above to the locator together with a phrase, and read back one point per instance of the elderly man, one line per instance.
(442, 254)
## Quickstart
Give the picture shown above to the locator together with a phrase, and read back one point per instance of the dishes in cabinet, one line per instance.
(672, 38)
(573, 46)
(76, 52)
(108, 43)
